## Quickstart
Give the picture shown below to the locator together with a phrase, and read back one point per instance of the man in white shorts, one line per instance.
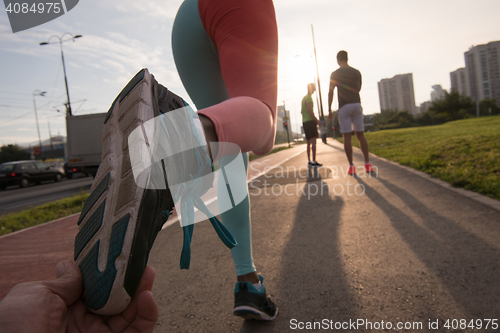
(348, 82)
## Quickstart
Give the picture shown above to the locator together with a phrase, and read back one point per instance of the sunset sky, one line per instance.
(383, 38)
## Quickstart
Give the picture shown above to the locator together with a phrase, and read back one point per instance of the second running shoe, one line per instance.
(250, 303)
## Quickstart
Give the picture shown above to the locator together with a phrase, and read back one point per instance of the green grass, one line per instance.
(41, 214)
(464, 153)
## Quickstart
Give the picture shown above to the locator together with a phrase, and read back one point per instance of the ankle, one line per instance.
(251, 277)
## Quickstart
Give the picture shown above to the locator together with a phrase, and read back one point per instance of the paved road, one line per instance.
(15, 199)
(394, 247)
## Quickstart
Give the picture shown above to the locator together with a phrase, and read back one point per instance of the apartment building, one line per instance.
(397, 93)
(460, 81)
(480, 78)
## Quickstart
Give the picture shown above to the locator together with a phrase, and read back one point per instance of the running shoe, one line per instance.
(314, 164)
(120, 220)
(124, 213)
(368, 167)
(352, 170)
(250, 303)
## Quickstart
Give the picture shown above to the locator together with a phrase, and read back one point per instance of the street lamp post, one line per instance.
(38, 93)
(61, 40)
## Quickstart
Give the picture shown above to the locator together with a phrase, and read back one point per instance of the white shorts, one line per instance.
(351, 114)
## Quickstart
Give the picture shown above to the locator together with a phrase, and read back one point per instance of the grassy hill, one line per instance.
(464, 153)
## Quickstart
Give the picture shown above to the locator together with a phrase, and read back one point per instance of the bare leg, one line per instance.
(313, 147)
(309, 141)
(250, 277)
(348, 146)
(364, 145)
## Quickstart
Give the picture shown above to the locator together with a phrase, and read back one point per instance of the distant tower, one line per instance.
(397, 93)
(460, 82)
(483, 70)
(437, 92)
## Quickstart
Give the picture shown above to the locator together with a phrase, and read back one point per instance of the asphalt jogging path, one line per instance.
(388, 251)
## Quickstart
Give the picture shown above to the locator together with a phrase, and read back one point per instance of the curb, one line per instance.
(38, 225)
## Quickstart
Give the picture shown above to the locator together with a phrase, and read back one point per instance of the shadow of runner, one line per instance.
(466, 266)
(311, 276)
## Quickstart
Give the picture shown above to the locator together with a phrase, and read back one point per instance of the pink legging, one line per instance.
(243, 41)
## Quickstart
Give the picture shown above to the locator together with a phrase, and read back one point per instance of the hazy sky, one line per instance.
(383, 38)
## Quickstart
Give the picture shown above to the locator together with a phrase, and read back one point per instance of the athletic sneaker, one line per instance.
(250, 303)
(352, 170)
(368, 167)
(124, 213)
(314, 164)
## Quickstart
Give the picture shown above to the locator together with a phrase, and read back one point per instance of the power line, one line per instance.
(11, 120)
(15, 93)
(13, 106)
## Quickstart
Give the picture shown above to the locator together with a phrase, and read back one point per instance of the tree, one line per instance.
(402, 119)
(382, 118)
(488, 107)
(452, 106)
(12, 153)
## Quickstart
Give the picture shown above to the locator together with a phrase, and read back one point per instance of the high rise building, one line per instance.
(460, 81)
(397, 94)
(437, 92)
(483, 71)
(424, 107)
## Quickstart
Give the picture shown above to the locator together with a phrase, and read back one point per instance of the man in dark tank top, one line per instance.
(347, 80)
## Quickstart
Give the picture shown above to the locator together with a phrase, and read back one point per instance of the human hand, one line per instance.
(330, 114)
(56, 306)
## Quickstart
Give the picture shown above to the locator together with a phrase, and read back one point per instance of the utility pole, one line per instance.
(50, 138)
(320, 106)
(285, 124)
(38, 93)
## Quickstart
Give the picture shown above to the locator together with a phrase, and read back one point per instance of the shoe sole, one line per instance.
(249, 313)
(116, 228)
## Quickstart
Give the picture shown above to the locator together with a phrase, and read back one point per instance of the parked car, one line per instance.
(23, 173)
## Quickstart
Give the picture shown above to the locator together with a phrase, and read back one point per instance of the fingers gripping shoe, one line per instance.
(120, 220)
(250, 303)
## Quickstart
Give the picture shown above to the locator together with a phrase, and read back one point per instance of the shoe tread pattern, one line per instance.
(98, 284)
(92, 199)
(89, 229)
(129, 110)
(125, 91)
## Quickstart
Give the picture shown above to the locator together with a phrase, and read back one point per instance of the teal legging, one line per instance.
(197, 62)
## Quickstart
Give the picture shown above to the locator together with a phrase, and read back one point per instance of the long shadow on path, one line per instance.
(312, 280)
(466, 266)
